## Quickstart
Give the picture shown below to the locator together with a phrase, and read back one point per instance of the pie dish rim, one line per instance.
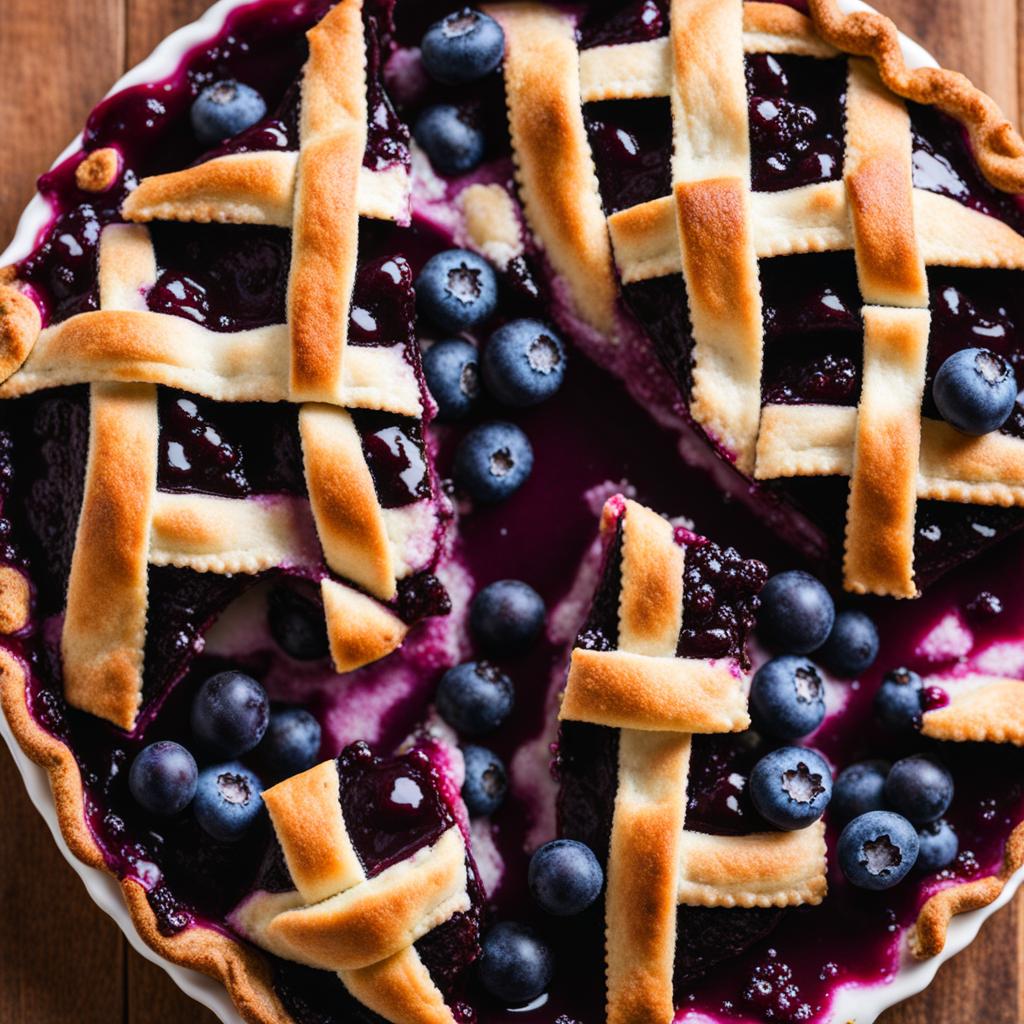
(227, 976)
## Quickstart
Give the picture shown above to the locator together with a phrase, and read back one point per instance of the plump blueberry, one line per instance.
(516, 965)
(493, 461)
(456, 289)
(290, 744)
(486, 783)
(852, 646)
(898, 700)
(523, 363)
(787, 698)
(565, 877)
(297, 624)
(225, 109)
(859, 788)
(448, 136)
(462, 47)
(475, 697)
(919, 788)
(452, 372)
(163, 778)
(506, 617)
(796, 614)
(939, 846)
(974, 390)
(229, 799)
(791, 787)
(230, 713)
(877, 850)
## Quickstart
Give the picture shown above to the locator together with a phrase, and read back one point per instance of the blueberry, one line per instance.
(493, 461)
(462, 47)
(456, 289)
(454, 144)
(852, 646)
(452, 373)
(486, 783)
(290, 744)
(225, 109)
(898, 700)
(297, 624)
(163, 777)
(506, 617)
(787, 698)
(858, 789)
(791, 787)
(523, 363)
(877, 850)
(796, 614)
(475, 697)
(975, 390)
(228, 801)
(939, 846)
(919, 788)
(516, 965)
(565, 877)
(230, 713)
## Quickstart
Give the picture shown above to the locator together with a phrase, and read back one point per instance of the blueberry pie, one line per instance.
(457, 470)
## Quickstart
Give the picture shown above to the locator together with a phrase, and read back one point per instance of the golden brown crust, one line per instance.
(348, 515)
(15, 600)
(359, 630)
(99, 170)
(491, 222)
(928, 936)
(879, 555)
(984, 709)
(879, 182)
(105, 619)
(777, 28)
(20, 324)
(643, 876)
(554, 166)
(623, 690)
(400, 989)
(998, 149)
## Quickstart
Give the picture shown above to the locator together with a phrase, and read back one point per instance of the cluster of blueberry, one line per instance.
(521, 364)
(464, 47)
(892, 814)
(475, 698)
(230, 717)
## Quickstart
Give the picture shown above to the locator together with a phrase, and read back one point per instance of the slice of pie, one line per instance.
(733, 261)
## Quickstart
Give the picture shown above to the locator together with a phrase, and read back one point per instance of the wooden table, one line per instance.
(60, 957)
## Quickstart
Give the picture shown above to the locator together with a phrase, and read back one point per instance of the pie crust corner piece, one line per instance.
(123, 353)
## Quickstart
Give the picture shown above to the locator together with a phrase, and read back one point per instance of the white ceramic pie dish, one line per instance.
(861, 1005)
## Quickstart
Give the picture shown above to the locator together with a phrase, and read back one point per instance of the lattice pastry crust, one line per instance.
(658, 701)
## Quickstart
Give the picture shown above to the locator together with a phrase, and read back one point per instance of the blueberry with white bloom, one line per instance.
(791, 787)
(450, 138)
(475, 697)
(486, 781)
(919, 788)
(290, 744)
(975, 390)
(852, 646)
(229, 800)
(939, 846)
(787, 698)
(224, 109)
(878, 850)
(565, 877)
(452, 372)
(462, 47)
(515, 966)
(492, 462)
(797, 613)
(898, 700)
(456, 289)
(163, 778)
(523, 363)
(859, 788)
(506, 617)
(230, 713)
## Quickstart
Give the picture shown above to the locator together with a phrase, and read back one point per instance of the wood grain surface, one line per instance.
(62, 959)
